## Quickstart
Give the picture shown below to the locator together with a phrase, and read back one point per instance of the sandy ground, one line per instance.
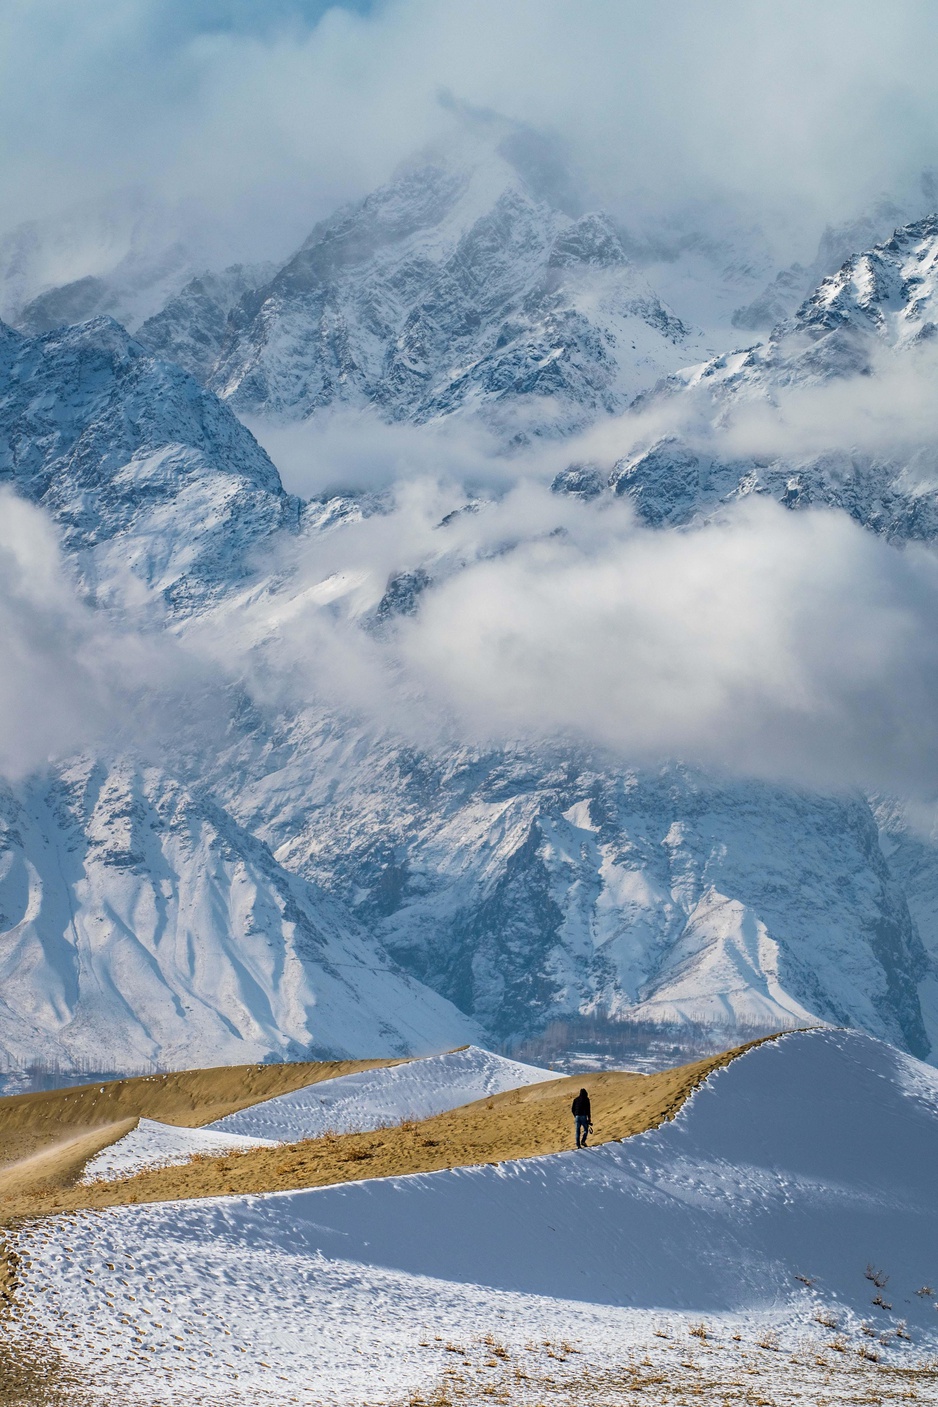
(677, 1368)
(46, 1139)
(527, 1122)
(30, 1123)
(227, 1301)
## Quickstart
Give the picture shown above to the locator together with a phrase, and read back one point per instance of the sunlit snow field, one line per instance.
(736, 1240)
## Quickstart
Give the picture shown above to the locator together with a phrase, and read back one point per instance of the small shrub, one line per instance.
(698, 1331)
(826, 1319)
(881, 1303)
(878, 1278)
(926, 1291)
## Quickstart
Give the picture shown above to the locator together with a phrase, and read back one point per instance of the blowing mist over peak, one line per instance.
(467, 539)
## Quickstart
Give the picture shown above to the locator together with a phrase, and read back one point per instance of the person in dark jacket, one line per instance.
(581, 1112)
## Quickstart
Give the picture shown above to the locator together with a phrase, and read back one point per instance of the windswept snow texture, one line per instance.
(810, 1157)
(155, 1145)
(372, 1099)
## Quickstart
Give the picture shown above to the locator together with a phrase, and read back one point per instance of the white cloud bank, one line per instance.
(787, 646)
(70, 679)
(797, 104)
(771, 644)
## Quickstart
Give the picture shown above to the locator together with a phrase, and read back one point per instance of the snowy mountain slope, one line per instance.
(909, 839)
(529, 887)
(374, 1098)
(756, 1213)
(456, 287)
(873, 318)
(137, 464)
(141, 925)
(838, 244)
(190, 328)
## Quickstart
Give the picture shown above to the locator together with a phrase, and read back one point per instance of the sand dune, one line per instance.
(187, 1098)
(526, 1122)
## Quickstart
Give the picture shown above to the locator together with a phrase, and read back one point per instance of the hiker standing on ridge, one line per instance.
(581, 1112)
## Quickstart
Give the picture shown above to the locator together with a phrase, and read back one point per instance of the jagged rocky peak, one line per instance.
(109, 439)
(888, 291)
(880, 297)
(879, 306)
(190, 328)
(838, 244)
(470, 283)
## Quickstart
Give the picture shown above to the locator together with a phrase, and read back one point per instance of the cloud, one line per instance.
(793, 647)
(272, 123)
(353, 450)
(73, 679)
(771, 644)
(891, 411)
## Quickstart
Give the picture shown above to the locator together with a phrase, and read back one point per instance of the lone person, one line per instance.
(581, 1112)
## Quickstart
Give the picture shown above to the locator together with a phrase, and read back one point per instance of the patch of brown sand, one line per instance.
(30, 1123)
(520, 1123)
(32, 1372)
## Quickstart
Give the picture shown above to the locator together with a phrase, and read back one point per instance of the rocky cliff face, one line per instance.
(531, 887)
(136, 463)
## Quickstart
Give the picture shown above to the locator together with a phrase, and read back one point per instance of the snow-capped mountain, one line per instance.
(141, 924)
(141, 469)
(190, 328)
(528, 885)
(534, 887)
(462, 285)
(838, 244)
(873, 318)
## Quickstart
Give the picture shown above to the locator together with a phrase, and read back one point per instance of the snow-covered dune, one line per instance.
(350, 1104)
(155, 1145)
(792, 1176)
(374, 1098)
